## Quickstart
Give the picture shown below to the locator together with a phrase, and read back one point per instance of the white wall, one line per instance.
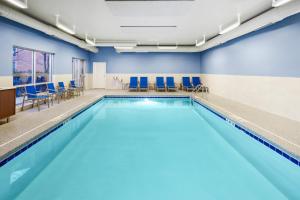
(6, 81)
(277, 95)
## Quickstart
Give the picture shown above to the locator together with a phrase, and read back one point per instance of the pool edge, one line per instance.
(10, 155)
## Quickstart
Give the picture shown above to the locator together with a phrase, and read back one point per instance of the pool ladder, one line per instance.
(191, 99)
(199, 88)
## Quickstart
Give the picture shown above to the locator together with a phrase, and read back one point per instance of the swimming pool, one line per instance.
(149, 148)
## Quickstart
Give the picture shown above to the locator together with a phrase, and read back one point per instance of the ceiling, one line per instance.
(146, 22)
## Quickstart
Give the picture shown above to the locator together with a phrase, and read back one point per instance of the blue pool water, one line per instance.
(148, 149)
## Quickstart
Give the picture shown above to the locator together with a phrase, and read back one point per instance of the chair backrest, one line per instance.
(196, 81)
(144, 81)
(186, 82)
(61, 85)
(51, 88)
(133, 81)
(29, 80)
(170, 82)
(72, 83)
(31, 91)
(160, 81)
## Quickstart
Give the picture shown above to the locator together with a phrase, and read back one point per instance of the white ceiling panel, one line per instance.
(187, 20)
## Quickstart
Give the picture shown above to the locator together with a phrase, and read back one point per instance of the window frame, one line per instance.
(33, 73)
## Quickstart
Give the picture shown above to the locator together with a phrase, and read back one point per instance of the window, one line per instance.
(42, 67)
(22, 66)
(31, 67)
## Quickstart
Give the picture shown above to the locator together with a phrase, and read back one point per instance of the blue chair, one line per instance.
(53, 92)
(133, 85)
(33, 95)
(160, 84)
(186, 84)
(171, 84)
(197, 82)
(75, 88)
(144, 84)
(62, 89)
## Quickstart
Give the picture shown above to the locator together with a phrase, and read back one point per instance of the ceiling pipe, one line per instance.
(266, 19)
(16, 16)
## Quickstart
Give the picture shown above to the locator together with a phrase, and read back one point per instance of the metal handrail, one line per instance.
(197, 88)
(34, 84)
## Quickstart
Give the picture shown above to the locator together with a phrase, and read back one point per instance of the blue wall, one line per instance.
(272, 51)
(12, 33)
(148, 62)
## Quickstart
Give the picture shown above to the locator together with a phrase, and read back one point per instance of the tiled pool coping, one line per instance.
(245, 130)
(253, 135)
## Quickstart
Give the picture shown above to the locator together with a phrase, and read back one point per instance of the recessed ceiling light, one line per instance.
(200, 43)
(231, 27)
(277, 3)
(64, 27)
(19, 3)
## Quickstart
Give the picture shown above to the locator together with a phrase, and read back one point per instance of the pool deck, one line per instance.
(27, 125)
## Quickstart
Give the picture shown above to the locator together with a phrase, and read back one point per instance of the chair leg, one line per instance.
(23, 103)
(38, 104)
(52, 99)
(49, 102)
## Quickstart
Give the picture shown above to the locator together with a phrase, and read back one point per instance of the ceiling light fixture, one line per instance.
(200, 43)
(277, 3)
(19, 3)
(90, 42)
(230, 27)
(167, 47)
(123, 47)
(64, 27)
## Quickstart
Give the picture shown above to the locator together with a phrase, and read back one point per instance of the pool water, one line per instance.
(148, 149)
